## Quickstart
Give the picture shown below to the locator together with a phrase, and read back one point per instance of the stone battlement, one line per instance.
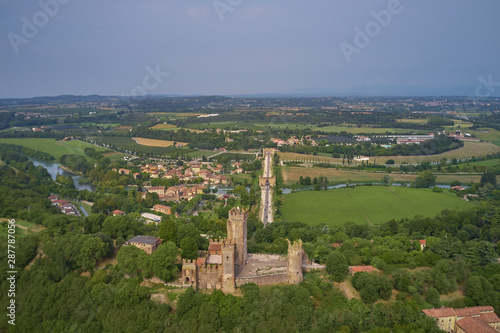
(208, 267)
(186, 262)
(238, 213)
(221, 241)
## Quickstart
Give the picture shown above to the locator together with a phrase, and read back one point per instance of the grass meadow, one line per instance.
(366, 204)
(53, 147)
(292, 174)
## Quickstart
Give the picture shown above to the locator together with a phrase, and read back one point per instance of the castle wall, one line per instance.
(210, 277)
(262, 279)
(294, 262)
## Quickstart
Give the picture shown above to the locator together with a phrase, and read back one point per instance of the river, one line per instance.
(55, 168)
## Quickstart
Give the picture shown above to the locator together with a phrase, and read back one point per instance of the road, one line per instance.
(267, 196)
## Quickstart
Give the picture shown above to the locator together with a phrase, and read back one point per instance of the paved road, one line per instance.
(267, 215)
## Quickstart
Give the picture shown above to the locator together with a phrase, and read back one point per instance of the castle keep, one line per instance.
(227, 265)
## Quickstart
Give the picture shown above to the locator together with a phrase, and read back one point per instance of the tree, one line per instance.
(189, 248)
(425, 179)
(132, 260)
(432, 297)
(489, 177)
(480, 290)
(387, 180)
(164, 261)
(336, 265)
(92, 249)
(168, 230)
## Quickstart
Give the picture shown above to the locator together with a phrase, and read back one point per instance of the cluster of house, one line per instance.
(65, 206)
(463, 136)
(209, 173)
(174, 193)
(467, 320)
(293, 141)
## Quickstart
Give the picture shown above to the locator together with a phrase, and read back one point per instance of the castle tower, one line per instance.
(189, 271)
(237, 234)
(227, 250)
(294, 262)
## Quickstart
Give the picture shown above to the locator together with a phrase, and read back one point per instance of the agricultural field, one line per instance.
(156, 143)
(486, 163)
(354, 129)
(115, 155)
(201, 153)
(469, 149)
(53, 147)
(170, 127)
(413, 121)
(367, 204)
(291, 176)
(133, 146)
(167, 127)
(492, 135)
(233, 125)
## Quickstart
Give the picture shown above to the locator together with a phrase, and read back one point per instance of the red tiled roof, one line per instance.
(438, 313)
(367, 269)
(474, 311)
(490, 317)
(422, 241)
(475, 325)
(200, 261)
(214, 247)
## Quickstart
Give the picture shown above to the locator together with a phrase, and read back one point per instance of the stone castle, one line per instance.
(227, 265)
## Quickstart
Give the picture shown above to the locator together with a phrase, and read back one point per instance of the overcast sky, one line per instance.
(109, 47)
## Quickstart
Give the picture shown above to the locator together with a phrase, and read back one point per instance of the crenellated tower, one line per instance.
(237, 234)
(294, 263)
(189, 273)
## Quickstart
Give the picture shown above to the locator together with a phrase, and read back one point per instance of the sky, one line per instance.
(233, 47)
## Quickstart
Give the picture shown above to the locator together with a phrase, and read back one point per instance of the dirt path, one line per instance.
(393, 192)
(346, 191)
(364, 214)
(347, 292)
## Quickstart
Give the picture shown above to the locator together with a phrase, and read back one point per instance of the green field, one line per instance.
(366, 204)
(493, 135)
(53, 147)
(200, 153)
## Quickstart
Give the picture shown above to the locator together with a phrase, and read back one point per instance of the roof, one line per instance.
(490, 317)
(366, 269)
(150, 216)
(473, 311)
(475, 325)
(214, 247)
(161, 207)
(422, 241)
(118, 212)
(143, 240)
(438, 313)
